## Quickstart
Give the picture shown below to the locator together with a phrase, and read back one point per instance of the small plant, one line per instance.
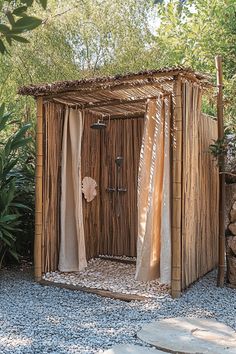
(13, 141)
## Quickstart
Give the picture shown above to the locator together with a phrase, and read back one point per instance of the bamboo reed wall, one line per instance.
(176, 198)
(110, 220)
(52, 127)
(39, 192)
(119, 221)
(199, 189)
(90, 165)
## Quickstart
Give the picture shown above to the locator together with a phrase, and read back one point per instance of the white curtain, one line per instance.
(72, 256)
(154, 235)
(165, 261)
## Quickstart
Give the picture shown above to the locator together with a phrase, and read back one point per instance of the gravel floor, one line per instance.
(110, 275)
(36, 319)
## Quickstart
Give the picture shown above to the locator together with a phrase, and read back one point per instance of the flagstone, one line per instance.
(190, 335)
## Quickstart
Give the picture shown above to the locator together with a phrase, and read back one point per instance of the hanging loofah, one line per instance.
(89, 188)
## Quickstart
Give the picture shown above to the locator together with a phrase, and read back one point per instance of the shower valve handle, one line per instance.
(120, 190)
(111, 189)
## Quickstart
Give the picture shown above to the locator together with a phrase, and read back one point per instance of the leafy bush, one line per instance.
(25, 186)
(10, 167)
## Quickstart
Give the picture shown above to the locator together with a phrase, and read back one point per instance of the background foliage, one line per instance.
(16, 176)
(92, 37)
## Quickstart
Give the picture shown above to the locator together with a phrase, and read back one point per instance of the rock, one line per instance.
(190, 335)
(232, 228)
(231, 270)
(231, 245)
(132, 349)
(230, 198)
(234, 206)
(233, 215)
(231, 259)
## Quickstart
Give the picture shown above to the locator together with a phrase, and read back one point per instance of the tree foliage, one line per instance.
(192, 37)
(15, 21)
(196, 34)
(93, 37)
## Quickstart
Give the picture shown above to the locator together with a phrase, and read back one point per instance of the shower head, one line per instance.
(119, 160)
(99, 125)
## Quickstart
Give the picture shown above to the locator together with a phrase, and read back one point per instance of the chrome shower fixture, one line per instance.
(119, 160)
(99, 125)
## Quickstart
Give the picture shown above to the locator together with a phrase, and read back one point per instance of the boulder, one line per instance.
(233, 215)
(232, 228)
(231, 245)
(231, 270)
(231, 259)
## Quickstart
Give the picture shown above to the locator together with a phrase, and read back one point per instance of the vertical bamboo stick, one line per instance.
(39, 192)
(176, 215)
(221, 266)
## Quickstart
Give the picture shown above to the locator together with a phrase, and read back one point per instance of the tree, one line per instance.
(192, 37)
(77, 39)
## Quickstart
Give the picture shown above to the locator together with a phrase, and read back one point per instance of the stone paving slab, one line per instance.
(132, 349)
(190, 335)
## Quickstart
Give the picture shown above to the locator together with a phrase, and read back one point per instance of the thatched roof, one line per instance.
(117, 95)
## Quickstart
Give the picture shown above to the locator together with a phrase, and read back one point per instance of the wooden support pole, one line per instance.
(176, 214)
(38, 192)
(220, 118)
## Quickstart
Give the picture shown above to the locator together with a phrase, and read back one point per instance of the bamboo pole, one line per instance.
(39, 192)
(221, 266)
(176, 214)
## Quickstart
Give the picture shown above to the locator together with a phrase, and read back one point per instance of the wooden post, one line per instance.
(38, 192)
(176, 214)
(221, 266)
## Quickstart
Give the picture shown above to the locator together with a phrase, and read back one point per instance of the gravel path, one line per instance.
(36, 319)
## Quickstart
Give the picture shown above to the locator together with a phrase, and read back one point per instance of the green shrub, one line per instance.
(13, 140)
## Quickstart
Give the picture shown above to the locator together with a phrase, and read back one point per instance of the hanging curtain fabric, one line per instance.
(153, 195)
(72, 255)
(165, 256)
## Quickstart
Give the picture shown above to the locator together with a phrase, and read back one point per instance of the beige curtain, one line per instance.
(72, 255)
(151, 194)
(165, 256)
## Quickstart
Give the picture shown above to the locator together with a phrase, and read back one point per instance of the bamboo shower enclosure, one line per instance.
(121, 102)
